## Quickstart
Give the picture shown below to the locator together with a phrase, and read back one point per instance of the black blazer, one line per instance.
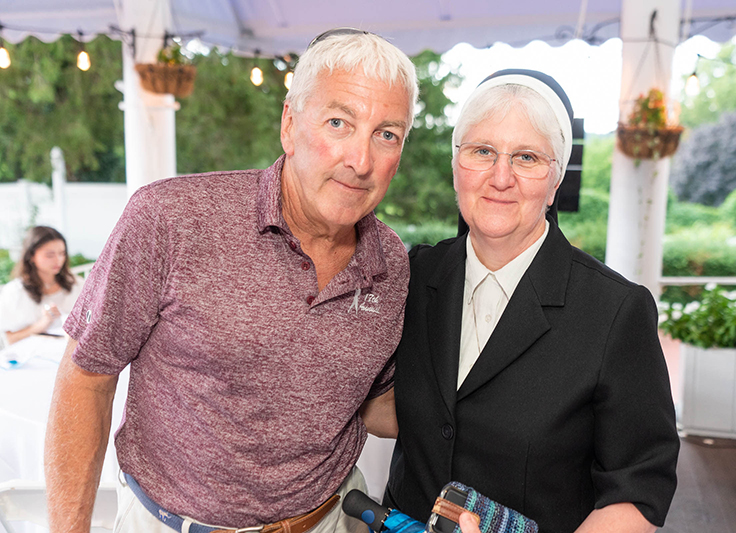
(567, 409)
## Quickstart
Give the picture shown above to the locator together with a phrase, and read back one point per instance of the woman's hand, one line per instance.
(467, 524)
(50, 313)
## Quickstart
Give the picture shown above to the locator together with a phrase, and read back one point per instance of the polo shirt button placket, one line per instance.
(310, 299)
(292, 245)
(305, 265)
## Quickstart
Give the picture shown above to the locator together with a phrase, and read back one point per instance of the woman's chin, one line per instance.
(493, 229)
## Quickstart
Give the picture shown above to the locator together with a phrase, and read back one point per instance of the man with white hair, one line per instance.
(258, 310)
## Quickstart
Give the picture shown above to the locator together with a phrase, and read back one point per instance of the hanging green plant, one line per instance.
(646, 134)
(171, 74)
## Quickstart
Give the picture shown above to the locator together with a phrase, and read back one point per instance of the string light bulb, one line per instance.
(287, 80)
(4, 56)
(256, 76)
(83, 61)
(692, 85)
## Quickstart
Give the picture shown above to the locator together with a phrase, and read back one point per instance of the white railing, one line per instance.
(667, 281)
(82, 270)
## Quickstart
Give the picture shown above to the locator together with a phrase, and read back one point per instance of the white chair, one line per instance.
(26, 501)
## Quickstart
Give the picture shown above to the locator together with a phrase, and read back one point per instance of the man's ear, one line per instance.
(287, 129)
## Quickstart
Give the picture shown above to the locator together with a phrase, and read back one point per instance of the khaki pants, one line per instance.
(133, 517)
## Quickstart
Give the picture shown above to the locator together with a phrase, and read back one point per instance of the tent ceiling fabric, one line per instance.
(277, 27)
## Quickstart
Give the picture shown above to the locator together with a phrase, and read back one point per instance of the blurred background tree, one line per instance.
(228, 123)
(717, 78)
(422, 188)
(704, 169)
(46, 101)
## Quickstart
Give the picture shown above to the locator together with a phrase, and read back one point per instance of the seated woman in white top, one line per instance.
(43, 289)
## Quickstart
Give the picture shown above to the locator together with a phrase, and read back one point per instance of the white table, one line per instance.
(25, 398)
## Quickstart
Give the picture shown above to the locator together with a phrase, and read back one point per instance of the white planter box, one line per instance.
(708, 388)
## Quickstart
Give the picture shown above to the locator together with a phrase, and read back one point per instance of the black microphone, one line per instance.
(358, 505)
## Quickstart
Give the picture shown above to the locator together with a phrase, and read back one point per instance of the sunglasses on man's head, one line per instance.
(337, 31)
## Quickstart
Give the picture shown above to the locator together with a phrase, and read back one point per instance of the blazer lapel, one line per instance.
(445, 292)
(523, 321)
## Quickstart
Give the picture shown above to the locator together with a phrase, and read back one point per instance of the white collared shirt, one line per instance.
(486, 296)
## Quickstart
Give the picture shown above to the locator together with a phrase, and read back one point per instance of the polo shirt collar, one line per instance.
(268, 199)
(509, 275)
(368, 259)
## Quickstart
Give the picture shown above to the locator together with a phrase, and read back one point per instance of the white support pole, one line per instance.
(58, 184)
(150, 132)
(638, 200)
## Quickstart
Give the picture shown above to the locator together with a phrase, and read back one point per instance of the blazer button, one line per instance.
(447, 431)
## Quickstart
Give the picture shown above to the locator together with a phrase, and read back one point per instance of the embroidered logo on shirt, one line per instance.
(163, 515)
(369, 303)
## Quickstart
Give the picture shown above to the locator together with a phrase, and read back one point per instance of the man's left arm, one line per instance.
(379, 415)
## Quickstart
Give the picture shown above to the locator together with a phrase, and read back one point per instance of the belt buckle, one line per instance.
(252, 529)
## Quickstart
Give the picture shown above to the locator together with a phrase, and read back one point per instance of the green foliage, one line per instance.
(228, 123)
(597, 158)
(684, 215)
(46, 101)
(422, 188)
(424, 233)
(704, 168)
(727, 210)
(6, 266)
(649, 110)
(717, 89)
(79, 259)
(586, 229)
(704, 248)
(707, 323)
(172, 55)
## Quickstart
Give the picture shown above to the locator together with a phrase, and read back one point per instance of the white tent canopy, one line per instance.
(277, 27)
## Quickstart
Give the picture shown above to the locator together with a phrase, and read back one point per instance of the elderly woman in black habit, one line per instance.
(527, 369)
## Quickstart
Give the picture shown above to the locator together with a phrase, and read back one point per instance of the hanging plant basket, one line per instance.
(164, 78)
(642, 142)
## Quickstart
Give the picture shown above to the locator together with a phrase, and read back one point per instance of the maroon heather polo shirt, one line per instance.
(245, 379)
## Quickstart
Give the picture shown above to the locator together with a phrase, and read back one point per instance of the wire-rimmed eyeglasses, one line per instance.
(524, 163)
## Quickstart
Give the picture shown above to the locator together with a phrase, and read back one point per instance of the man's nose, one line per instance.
(359, 155)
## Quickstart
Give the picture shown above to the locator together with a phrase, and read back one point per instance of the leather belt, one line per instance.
(298, 524)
